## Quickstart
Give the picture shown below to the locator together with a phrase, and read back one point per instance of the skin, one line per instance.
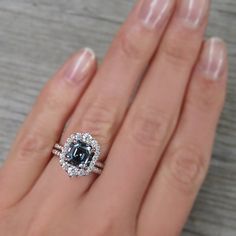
(153, 106)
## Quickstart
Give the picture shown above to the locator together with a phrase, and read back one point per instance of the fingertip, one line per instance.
(213, 59)
(79, 66)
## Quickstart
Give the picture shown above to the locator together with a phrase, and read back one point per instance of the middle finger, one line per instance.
(154, 114)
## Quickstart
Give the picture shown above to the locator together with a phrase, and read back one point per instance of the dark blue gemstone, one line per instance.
(79, 153)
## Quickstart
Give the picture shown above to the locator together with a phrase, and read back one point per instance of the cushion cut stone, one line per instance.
(79, 154)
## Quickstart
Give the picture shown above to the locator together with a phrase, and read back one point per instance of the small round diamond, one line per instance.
(69, 140)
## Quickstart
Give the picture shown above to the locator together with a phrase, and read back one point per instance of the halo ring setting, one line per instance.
(79, 155)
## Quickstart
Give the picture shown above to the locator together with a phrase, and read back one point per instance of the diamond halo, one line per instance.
(83, 169)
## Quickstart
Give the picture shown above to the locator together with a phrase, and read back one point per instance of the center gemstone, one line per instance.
(79, 154)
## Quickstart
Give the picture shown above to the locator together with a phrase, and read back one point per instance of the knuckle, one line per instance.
(150, 128)
(33, 144)
(186, 167)
(52, 101)
(129, 43)
(206, 96)
(99, 120)
(51, 97)
(179, 50)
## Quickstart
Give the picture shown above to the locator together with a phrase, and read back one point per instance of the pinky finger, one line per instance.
(185, 163)
(32, 149)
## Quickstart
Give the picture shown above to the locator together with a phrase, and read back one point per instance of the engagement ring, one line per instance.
(79, 156)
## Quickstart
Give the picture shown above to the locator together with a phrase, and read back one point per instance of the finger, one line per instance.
(43, 127)
(154, 113)
(186, 160)
(104, 104)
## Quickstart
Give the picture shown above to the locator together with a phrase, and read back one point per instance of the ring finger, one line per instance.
(104, 104)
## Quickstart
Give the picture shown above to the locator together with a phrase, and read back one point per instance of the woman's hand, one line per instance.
(156, 138)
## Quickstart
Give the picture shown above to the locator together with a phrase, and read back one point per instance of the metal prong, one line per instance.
(56, 152)
(58, 147)
(97, 170)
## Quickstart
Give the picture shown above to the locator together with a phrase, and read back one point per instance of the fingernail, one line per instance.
(153, 13)
(213, 57)
(193, 12)
(80, 65)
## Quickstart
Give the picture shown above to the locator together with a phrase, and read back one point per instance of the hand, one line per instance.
(156, 140)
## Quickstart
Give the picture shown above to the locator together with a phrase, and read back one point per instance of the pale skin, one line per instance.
(156, 138)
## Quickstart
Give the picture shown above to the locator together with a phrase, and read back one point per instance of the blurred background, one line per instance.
(37, 36)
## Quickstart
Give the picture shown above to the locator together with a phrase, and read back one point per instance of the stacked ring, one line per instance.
(79, 155)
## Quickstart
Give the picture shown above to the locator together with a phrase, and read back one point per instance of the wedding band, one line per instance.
(79, 156)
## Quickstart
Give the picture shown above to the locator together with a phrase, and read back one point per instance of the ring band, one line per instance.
(79, 156)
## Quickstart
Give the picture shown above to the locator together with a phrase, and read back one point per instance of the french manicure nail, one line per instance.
(213, 59)
(153, 13)
(79, 67)
(193, 11)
